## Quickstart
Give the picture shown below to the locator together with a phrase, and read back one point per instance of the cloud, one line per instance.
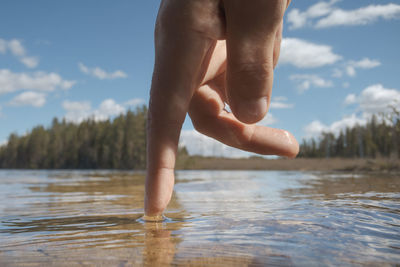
(100, 73)
(346, 85)
(361, 16)
(365, 63)
(350, 99)
(37, 81)
(337, 73)
(373, 99)
(17, 49)
(298, 19)
(350, 67)
(30, 62)
(325, 14)
(79, 111)
(304, 54)
(107, 109)
(269, 119)
(279, 102)
(134, 102)
(316, 128)
(29, 98)
(306, 81)
(199, 144)
(3, 143)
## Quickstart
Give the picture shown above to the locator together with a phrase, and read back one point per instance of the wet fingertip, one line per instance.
(154, 218)
(293, 146)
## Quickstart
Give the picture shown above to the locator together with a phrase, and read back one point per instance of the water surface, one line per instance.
(231, 218)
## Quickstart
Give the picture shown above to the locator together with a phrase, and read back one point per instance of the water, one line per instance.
(231, 218)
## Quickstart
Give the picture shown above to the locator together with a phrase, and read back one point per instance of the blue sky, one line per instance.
(339, 64)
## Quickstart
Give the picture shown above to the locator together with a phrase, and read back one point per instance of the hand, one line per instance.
(197, 71)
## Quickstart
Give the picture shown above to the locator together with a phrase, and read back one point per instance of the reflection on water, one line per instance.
(232, 218)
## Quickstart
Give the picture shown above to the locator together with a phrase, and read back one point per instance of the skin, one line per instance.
(208, 53)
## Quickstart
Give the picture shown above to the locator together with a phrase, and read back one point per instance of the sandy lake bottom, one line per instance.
(217, 218)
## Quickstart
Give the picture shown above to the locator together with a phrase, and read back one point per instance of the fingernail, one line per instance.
(252, 110)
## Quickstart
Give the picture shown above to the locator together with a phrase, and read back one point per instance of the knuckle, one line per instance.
(195, 16)
(254, 71)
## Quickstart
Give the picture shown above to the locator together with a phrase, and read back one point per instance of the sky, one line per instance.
(339, 64)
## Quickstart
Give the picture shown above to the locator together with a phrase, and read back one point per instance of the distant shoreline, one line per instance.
(259, 163)
(298, 164)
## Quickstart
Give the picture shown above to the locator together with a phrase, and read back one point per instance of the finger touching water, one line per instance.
(183, 48)
(196, 68)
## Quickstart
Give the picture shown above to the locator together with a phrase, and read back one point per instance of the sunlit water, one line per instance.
(232, 218)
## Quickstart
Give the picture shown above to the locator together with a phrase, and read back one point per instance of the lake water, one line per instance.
(231, 218)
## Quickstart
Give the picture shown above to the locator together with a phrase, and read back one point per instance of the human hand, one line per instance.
(197, 71)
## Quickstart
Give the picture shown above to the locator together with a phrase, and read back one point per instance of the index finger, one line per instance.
(183, 49)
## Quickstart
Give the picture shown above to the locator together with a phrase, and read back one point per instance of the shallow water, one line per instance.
(232, 218)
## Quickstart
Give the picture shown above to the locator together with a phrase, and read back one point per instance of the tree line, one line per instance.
(113, 144)
(379, 137)
(120, 143)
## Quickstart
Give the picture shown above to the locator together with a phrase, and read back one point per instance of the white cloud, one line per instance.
(298, 19)
(350, 99)
(78, 111)
(134, 102)
(83, 68)
(100, 73)
(30, 62)
(269, 119)
(304, 54)
(365, 63)
(37, 81)
(199, 144)
(361, 16)
(3, 143)
(337, 73)
(280, 102)
(17, 49)
(107, 109)
(29, 98)
(279, 98)
(325, 14)
(351, 71)
(306, 81)
(280, 105)
(350, 67)
(374, 99)
(316, 128)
